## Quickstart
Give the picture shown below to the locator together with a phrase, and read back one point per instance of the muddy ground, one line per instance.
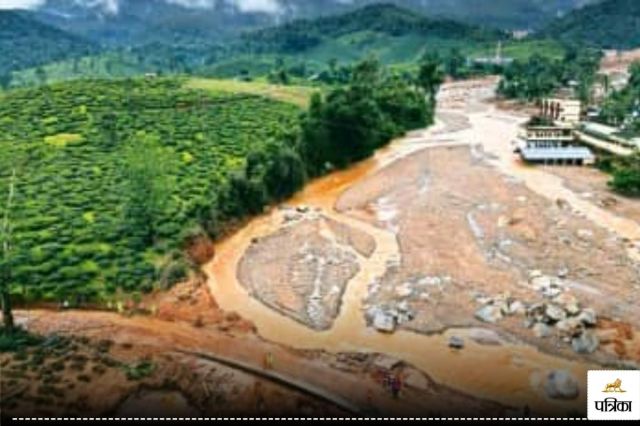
(468, 234)
(177, 354)
(441, 262)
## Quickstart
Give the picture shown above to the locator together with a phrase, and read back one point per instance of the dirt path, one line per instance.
(352, 391)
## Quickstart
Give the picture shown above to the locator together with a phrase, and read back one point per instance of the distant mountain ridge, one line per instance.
(26, 42)
(142, 21)
(382, 19)
(613, 24)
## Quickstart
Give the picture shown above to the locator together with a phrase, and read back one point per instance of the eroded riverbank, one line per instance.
(386, 204)
(434, 227)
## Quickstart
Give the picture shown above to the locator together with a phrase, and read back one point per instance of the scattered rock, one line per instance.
(586, 343)
(552, 292)
(490, 313)
(570, 327)
(484, 336)
(484, 300)
(569, 303)
(516, 308)
(536, 313)
(555, 313)
(384, 322)
(404, 290)
(541, 330)
(563, 273)
(561, 385)
(535, 273)
(456, 342)
(588, 317)
(585, 234)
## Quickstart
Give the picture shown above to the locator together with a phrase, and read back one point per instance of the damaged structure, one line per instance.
(552, 140)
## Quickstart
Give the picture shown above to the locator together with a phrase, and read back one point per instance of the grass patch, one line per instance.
(297, 95)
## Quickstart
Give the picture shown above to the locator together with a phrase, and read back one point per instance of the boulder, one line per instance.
(490, 314)
(563, 273)
(554, 313)
(585, 343)
(570, 327)
(404, 290)
(561, 384)
(517, 308)
(541, 330)
(536, 313)
(569, 303)
(540, 283)
(588, 317)
(384, 322)
(553, 291)
(485, 336)
(456, 342)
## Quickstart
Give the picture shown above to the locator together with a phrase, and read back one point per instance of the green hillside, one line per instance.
(392, 34)
(25, 43)
(370, 25)
(70, 143)
(610, 24)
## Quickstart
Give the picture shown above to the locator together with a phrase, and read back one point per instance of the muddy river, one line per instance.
(510, 373)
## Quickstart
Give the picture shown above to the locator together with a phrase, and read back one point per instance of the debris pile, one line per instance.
(558, 313)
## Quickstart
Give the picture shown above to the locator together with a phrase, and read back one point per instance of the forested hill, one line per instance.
(137, 22)
(380, 19)
(25, 42)
(610, 24)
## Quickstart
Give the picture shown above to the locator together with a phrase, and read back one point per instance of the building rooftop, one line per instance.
(565, 153)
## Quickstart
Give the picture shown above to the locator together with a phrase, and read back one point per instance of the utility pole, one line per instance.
(5, 291)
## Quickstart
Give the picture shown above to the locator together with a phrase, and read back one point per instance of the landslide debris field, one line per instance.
(488, 287)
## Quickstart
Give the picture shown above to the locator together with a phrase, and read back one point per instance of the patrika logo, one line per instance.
(614, 387)
(619, 402)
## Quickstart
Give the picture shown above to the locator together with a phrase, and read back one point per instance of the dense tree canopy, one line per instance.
(611, 24)
(352, 121)
(541, 76)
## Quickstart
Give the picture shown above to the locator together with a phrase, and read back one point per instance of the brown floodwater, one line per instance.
(511, 373)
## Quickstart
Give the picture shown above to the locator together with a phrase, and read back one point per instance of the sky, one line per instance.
(270, 6)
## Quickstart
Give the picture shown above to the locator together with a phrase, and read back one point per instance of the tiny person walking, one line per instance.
(396, 386)
(268, 361)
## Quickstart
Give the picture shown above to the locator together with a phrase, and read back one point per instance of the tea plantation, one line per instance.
(68, 142)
